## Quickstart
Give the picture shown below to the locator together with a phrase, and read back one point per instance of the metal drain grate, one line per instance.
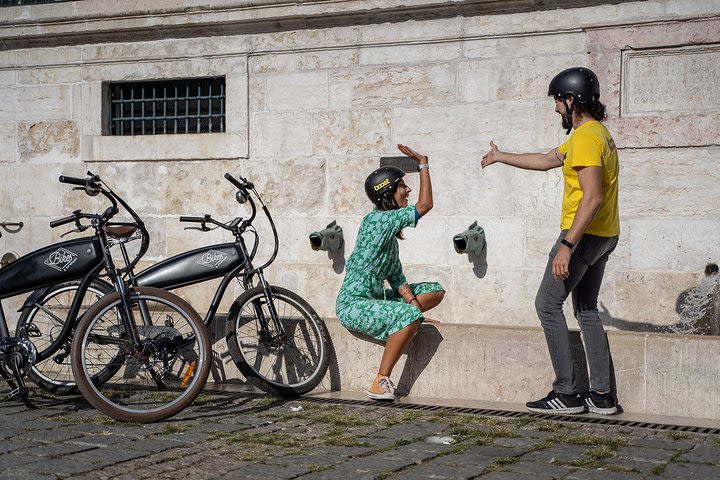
(500, 413)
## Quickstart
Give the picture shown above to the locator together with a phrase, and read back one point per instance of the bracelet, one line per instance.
(423, 166)
(414, 298)
(567, 243)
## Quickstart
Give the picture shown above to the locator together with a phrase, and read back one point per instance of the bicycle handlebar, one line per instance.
(73, 180)
(192, 219)
(63, 221)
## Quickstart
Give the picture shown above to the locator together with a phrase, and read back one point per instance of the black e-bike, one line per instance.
(138, 354)
(275, 338)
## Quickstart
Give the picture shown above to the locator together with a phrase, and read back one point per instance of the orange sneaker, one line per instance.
(382, 388)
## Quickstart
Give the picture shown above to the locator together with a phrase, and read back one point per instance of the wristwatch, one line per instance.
(567, 243)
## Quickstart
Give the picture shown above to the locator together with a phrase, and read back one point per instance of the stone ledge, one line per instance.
(70, 24)
(655, 374)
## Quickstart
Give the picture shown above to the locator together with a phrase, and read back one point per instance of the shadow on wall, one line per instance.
(421, 351)
(698, 309)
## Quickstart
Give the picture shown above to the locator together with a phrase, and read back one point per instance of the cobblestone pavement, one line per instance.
(244, 435)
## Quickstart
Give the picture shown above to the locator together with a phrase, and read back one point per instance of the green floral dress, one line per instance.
(363, 304)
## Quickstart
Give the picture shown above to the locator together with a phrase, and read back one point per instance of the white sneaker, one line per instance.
(382, 388)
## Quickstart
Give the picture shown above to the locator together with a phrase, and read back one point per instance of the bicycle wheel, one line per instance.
(287, 364)
(153, 380)
(42, 324)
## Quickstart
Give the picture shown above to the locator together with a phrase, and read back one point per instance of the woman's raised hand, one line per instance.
(412, 153)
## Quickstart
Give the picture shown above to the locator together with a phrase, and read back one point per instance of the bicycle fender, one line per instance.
(34, 297)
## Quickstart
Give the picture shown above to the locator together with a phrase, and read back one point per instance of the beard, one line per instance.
(566, 121)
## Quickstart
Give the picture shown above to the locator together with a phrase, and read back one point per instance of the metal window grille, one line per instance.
(167, 107)
(15, 3)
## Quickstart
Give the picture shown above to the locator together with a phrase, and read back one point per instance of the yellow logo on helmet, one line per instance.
(382, 184)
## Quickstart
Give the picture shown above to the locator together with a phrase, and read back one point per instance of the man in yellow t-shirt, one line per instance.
(589, 230)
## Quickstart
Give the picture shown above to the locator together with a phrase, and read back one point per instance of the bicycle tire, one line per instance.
(46, 317)
(174, 357)
(286, 367)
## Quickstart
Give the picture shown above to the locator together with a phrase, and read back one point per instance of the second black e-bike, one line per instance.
(275, 338)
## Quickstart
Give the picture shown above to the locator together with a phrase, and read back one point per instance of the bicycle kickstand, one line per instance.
(19, 389)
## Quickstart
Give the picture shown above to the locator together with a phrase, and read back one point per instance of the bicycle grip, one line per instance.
(234, 181)
(62, 221)
(72, 180)
(191, 219)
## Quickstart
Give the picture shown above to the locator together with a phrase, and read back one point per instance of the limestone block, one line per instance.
(200, 146)
(256, 94)
(540, 195)
(185, 47)
(317, 285)
(670, 182)
(527, 78)
(466, 128)
(201, 295)
(167, 147)
(627, 352)
(542, 233)
(674, 244)
(346, 180)
(401, 85)
(48, 141)
(301, 61)
(461, 187)
(688, 82)
(412, 30)
(277, 134)
(542, 46)
(49, 75)
(8, 140)
(8, 77)
(297, 91)
(357, 132)
(48, 57)
(273, 178)
(31, 190)
(682, 376)
(505, 239)
(42, 102)
(477, 80)
(300, 39)
(506, 297)
(89, 96)
(430, 243)
(549, 20)
(550, 133)
(293, 233)
(236, 106)
(161, 69)
(435, 52)
(165, 189)
(645, 301)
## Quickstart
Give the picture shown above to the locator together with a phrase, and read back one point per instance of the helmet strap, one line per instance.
(568, 115)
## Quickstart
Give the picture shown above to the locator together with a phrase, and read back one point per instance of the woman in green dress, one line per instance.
(364, 304)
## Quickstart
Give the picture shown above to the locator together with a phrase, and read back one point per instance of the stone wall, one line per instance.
(313, 106)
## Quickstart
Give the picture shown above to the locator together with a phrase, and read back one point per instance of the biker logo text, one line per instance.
(61, 259)
(212, 258)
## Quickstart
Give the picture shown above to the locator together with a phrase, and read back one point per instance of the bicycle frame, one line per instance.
(226, 260)
(82, 258)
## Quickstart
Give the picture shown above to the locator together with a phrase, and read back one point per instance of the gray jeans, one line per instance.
(586, 269)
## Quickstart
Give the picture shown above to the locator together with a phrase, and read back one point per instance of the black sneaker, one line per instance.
(557, 403)
(602, 403)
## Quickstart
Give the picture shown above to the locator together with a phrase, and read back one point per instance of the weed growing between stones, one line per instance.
(678, 435)
(171, 429)
(96, 419)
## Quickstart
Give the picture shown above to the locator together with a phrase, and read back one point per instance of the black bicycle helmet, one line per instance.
(381, 184)
(580, 82)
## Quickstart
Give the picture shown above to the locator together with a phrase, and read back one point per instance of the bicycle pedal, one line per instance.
(17, 392)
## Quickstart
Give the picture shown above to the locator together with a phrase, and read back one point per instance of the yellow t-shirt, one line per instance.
(591, 145)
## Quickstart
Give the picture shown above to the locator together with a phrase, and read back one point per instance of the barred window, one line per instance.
(167, 107)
